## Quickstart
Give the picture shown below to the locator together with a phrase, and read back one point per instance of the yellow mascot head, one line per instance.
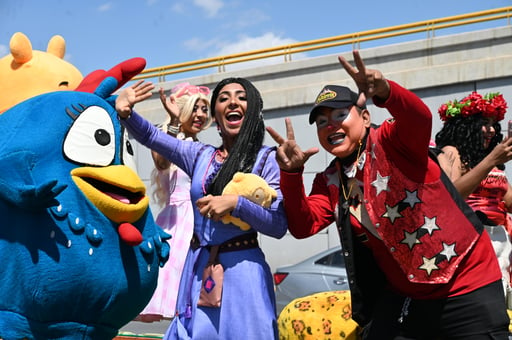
(26, 73)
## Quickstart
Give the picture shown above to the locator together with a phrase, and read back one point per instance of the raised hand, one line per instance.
(289, 155)
(132, 95)
(502, 153)
(370, 82)
(169, 103)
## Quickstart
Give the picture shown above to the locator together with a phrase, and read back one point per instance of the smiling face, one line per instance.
(197, 120)
(230, 109)
(340, 130)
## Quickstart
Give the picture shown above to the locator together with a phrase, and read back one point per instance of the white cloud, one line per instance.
(254, 43)
(197, 44)
(178, 7)
(250, 17)
(211, 7)
(105, 7)
(3, 50)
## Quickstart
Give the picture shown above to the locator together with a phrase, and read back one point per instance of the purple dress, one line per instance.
(248, 300)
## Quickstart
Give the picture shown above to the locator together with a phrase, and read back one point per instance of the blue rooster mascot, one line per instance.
(79, 249)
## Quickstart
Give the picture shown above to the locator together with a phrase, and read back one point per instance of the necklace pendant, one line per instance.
(344, 205)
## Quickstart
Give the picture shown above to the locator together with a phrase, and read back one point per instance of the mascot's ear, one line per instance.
(122, 72)
(57, 46)
(21, 48)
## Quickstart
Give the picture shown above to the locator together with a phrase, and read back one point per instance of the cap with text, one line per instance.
(335, 97)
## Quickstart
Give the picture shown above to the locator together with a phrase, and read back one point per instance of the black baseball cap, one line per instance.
(335, 97)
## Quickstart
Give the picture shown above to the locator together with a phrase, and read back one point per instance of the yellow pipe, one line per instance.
(352, 38)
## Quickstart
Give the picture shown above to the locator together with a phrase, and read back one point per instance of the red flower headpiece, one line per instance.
(492, 105)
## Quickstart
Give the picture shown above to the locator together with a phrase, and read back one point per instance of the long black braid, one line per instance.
(465, 134)
(244, 152)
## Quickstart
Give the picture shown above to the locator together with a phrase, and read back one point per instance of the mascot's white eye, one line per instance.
(91, 139)
(128, 153)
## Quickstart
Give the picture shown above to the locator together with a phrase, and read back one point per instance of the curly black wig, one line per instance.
(465, 134)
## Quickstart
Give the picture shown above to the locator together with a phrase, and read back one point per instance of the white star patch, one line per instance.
(381, 183)
(429, 264)
(430, 225)
(412, 198)
(392, 213)
(372, 151)
(410, 239)
(448, 251)
(361, 161)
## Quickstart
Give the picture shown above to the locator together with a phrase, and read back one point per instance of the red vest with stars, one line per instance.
(421, 225)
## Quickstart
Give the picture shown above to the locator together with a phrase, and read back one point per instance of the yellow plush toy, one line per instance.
(26, 73)
(320, 316)
(252, 187)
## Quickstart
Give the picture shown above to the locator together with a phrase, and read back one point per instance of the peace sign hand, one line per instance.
(289, 155)
(370, 82)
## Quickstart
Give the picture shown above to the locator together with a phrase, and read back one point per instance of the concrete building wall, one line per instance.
(437, 69)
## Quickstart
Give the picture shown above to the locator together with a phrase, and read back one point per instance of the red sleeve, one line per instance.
(307, 215)
(406, 138)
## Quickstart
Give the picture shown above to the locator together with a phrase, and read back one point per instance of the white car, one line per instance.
(322, 272)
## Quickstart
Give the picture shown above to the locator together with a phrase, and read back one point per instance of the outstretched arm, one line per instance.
(468, 182)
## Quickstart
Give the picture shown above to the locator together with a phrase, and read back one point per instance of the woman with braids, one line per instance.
(247, 307)
(471, 140)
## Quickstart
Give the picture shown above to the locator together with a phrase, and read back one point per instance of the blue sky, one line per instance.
(101, 33)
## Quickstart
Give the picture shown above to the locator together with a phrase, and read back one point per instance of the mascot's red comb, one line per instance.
(122, 72)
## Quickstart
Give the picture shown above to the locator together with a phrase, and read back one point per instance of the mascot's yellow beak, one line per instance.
(115, 190)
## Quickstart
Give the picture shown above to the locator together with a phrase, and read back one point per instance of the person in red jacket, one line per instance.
(416, 254)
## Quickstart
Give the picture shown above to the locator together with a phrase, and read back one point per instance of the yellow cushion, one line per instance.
(325, 315)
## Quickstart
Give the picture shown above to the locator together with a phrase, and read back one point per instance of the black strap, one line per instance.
(366, 280)
(214, 251)
(457, 198)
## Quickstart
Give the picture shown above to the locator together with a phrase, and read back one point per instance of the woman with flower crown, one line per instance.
(475, 153)
(187, 114)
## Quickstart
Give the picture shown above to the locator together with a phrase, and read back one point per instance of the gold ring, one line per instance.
(209, 215)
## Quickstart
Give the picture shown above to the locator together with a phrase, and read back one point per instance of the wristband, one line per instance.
(172, 129)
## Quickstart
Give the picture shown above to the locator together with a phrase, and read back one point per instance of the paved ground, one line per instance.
(142, 328)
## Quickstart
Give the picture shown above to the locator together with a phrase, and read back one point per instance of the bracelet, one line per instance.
(124, 118)
(172, 129)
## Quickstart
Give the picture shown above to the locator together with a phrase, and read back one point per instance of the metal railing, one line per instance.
(427, 26)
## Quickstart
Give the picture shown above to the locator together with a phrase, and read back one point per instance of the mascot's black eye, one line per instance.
(102, 137)
(129, 148)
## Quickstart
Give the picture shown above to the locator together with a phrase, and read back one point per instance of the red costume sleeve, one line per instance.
(307, 215)
(406, 137)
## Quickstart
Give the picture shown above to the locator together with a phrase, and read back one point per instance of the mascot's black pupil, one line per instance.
(129, 148)
(102, 137)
